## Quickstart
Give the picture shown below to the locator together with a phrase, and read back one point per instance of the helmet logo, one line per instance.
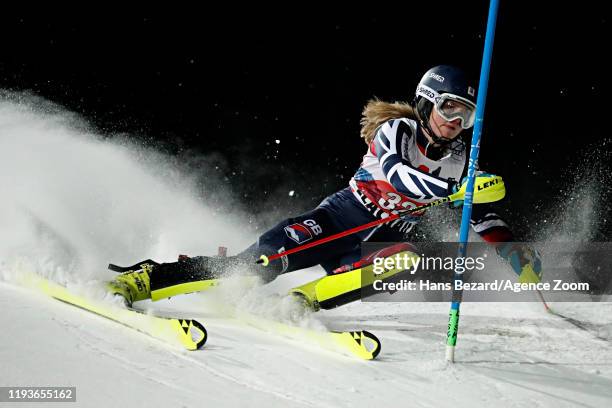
(437, 77)
(426, 92)
(471, 91)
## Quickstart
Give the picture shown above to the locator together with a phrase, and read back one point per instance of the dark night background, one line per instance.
(233, 83)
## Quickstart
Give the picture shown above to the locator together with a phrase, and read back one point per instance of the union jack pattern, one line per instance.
(396, 175)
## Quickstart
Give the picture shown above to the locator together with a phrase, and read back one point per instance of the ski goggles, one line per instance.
(451, 107)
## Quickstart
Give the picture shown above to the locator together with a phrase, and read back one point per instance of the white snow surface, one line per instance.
(510, 355)
(73, 201)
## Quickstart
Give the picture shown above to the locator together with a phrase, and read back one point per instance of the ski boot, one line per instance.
(132, 285)
(151, 280)
(351, 282)
(525, 261)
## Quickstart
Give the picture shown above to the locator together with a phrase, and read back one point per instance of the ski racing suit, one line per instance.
(397, 174)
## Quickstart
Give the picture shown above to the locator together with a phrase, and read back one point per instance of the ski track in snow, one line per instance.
(511, 355)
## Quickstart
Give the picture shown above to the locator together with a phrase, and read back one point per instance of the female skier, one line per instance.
(415, 155)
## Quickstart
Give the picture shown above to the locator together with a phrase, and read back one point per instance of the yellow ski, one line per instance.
(186, 333)
(360, 343)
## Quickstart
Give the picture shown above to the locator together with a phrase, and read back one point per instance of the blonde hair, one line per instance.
(377, 112)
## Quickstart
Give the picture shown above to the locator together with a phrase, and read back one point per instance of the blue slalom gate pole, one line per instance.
(453, 318)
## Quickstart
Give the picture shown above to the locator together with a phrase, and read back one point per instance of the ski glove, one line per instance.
(525, 261)
(454, 187)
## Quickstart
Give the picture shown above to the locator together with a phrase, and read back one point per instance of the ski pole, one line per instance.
(488, 189)
(453, 318)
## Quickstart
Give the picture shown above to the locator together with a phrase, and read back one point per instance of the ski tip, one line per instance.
(362, 344)
(377, 345)
(202, 332)
(193, 334)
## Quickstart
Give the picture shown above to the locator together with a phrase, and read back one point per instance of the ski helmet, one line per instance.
(440, 85)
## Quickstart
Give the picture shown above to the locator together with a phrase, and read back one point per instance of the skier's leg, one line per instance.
(286, 235)
(341, 211)
(382, 234)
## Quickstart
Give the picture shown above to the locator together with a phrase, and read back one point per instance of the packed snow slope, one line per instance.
(72, 201)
